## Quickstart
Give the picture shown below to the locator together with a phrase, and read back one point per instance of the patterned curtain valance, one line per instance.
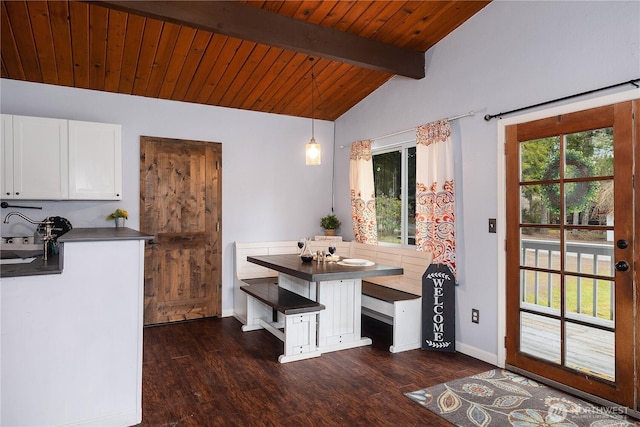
(438, 131)
(361, 150)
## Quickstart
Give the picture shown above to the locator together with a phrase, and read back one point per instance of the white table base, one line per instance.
(339, 324)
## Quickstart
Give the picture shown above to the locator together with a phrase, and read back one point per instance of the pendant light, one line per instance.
(313, 153)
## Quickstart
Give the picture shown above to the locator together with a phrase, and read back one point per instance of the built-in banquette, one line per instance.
(395, 300)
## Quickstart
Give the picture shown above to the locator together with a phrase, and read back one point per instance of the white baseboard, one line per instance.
(115, 420)
(477, 353)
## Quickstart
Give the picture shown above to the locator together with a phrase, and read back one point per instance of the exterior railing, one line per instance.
(600, 254)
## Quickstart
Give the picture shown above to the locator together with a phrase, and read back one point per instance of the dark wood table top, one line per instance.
(292, 265)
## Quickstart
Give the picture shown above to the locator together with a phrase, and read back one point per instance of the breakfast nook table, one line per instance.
(335, 285)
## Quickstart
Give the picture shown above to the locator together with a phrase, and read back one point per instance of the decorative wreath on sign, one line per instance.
(581, 192)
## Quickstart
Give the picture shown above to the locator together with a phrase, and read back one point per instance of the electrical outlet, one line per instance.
(475, 315)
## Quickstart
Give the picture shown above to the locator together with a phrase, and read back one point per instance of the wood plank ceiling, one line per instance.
(88, 45)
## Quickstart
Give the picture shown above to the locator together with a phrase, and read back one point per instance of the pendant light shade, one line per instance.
(313, 153)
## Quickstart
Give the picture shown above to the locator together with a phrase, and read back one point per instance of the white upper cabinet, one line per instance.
(95, 161)
(55, 159)
(6, 156)
(39, 159)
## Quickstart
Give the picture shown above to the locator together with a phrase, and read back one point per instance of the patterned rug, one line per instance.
(502, 398)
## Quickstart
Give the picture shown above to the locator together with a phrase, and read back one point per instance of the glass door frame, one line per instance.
(502, 125)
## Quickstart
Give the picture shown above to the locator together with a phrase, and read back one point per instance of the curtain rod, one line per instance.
(470, 113)
(634, 82)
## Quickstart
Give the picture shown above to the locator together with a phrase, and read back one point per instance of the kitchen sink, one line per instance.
(4, 261)
(14, 256)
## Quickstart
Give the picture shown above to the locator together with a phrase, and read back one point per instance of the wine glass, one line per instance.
(300, 245)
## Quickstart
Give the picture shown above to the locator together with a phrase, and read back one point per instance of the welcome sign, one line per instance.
(438, 309)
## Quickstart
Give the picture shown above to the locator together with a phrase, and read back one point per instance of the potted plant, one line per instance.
(330, 223)
(119, 215)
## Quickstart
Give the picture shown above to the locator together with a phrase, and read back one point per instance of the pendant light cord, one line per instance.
(312, 104)
(314, 86)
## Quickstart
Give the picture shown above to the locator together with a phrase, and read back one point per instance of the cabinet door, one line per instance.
(95, 161)
(6, 156)
(40, 163)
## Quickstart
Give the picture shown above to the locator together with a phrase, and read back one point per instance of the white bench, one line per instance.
(273, 308)
(246, 270)
(395, 300)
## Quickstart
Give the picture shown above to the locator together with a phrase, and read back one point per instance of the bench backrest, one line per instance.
(342, 248)
(414, 263)
(248, 270)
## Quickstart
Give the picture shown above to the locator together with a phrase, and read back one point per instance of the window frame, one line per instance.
(403, 147)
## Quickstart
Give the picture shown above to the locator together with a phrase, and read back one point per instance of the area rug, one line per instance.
(502, 398)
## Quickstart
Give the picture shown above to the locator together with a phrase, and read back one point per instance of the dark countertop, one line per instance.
(37, 267)
(102, 234)
(54, 265)
(292, 265)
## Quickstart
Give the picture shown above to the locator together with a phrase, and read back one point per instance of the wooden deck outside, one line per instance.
(588, 349)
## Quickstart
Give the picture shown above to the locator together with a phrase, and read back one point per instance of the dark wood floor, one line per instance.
(209, 373)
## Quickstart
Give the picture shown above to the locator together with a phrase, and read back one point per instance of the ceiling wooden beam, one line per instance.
(261, 26)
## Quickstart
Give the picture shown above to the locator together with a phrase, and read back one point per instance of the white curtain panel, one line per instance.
(363, 195)
(435, 196)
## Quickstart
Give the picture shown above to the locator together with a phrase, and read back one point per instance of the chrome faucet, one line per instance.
(48, 226)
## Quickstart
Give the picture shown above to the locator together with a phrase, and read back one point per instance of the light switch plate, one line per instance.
(492, 225)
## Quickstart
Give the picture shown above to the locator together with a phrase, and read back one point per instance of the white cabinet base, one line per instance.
(72, 342)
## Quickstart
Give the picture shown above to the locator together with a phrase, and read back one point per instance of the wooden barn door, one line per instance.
(180, 205)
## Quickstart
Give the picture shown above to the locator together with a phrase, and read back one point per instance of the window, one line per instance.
(394, 175)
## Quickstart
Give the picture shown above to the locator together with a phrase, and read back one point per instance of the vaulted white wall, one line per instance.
(509, 55)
